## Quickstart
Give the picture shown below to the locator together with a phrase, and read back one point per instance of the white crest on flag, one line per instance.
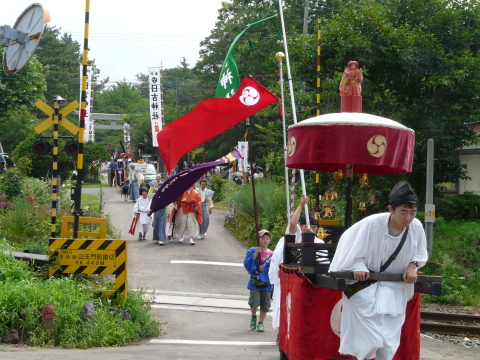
(250, 96)
(156, 116)
(243, 150)
(89, 121)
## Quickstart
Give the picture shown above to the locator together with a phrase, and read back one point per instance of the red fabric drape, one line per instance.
(210, 118)
(305, 321)
(371, 149)
(409, 348)
(310, 321)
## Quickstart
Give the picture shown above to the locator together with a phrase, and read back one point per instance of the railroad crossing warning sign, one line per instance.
(87, 256)
(44, 125)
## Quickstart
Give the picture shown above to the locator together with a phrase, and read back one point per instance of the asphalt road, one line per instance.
(200, 300)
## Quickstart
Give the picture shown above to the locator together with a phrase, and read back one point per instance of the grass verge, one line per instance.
(24, 291)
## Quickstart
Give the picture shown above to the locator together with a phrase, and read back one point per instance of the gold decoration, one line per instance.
(327, 195)
(338, 175)
(317, 215)
(334, 195)
(364, 180)
(321, 233)
(328, 211)
(362, 207)
(372, 199)
(279, 56)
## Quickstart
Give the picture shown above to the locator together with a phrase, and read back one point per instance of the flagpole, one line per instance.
(292, 98)
(279, 56)
(250, 153)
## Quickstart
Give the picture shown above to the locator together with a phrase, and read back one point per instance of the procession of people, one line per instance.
(185, 218)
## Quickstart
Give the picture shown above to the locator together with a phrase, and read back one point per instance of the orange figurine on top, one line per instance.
(351, 88)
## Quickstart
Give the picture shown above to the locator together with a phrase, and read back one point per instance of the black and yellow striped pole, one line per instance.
(319, 68)
(77, 212)
(56, 116)
(319, 64)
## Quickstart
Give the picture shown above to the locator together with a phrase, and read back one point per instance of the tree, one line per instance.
(419, 59)
(124, 98)
(17, 124)
(38, 168)
(22, 88)
(18, 94)
(61, 55)
(95, 151)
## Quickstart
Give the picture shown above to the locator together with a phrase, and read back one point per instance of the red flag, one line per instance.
(209, 119)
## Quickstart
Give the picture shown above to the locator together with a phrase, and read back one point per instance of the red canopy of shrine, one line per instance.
(373, 144)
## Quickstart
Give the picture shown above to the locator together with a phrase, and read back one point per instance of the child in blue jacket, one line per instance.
(257, 263)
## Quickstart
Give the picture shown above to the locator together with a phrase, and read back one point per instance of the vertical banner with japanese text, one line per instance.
(155, 102)
(243, 150)
(126, 139)
(89, 121)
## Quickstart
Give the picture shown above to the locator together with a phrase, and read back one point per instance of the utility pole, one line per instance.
(306, 8)
(429, 206)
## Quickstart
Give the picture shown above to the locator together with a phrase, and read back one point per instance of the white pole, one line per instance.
(292, 98)
(279, 56)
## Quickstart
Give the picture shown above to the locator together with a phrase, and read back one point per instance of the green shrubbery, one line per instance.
(465, 207)
(456, 257)
(23, 293)
(25, 224)
(271, 206)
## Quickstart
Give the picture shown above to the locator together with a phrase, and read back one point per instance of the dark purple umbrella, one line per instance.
(175, 185)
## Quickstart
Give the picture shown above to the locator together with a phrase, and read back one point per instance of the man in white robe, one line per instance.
(372, 318)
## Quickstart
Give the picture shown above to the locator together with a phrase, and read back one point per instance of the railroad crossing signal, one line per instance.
(41, 147)
(71, 148)
(62, 120)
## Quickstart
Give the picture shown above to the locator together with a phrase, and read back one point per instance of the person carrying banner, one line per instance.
(136, 180)
(159, 216)
(188, 214)
(257, 263)
(207, 205)
(373, 312)
(297, 226)
(142, 207)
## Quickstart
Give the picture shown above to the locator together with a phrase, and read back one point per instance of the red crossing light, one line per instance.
(71, 148)
(41, 147)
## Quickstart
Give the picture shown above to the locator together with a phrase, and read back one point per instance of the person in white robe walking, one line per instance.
(372, 318)
(142, 207)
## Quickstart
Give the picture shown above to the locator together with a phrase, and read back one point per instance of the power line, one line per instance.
(139, 37)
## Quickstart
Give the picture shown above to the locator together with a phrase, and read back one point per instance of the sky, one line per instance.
(128, 37)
